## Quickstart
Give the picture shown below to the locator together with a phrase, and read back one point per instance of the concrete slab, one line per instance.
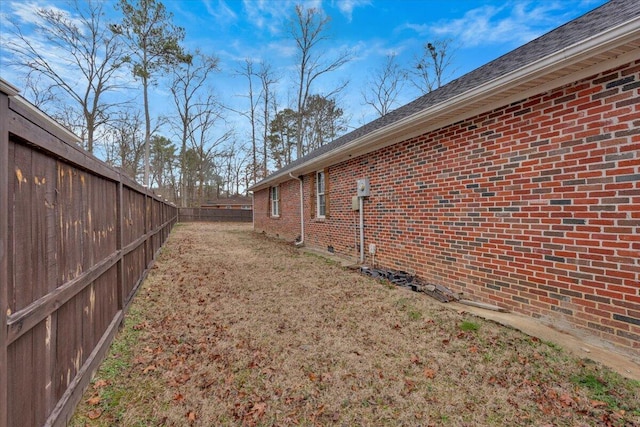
(575, 342)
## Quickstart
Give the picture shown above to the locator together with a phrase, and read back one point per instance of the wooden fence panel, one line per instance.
(76, 240)
(215, 215)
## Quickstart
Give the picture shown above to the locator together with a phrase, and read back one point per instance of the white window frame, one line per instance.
(321, 198)
(274, 194)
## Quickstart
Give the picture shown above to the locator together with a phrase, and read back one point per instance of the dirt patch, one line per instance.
(233, 328)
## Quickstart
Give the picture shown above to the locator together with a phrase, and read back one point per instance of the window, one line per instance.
(320, 195)
(275, 201)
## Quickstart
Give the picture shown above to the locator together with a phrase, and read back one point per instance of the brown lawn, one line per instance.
(233, 328)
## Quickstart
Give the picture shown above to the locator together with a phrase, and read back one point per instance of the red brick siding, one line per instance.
(287, 225)
(534, 206)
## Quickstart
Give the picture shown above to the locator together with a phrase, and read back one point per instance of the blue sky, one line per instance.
(234, 30)
(480, 30)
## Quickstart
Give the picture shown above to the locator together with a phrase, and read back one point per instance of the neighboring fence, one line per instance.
(215, 215)
(76, 240)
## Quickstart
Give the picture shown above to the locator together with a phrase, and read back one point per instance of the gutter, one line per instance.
(301, 242)
(408, 126)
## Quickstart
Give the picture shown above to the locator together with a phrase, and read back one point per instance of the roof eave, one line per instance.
(606, 49)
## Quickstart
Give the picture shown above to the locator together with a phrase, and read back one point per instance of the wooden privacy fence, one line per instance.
(76, 240)
(215, 215)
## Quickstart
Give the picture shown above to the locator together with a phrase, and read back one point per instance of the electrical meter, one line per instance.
(363, 187)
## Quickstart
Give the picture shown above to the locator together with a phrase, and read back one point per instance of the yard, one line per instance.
(234, 328)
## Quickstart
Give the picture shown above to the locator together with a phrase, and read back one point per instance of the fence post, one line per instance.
(4, 249)
(120, 294)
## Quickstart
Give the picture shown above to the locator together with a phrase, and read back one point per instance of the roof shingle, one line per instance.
(609, 15)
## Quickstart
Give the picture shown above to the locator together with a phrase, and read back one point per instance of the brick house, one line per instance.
(517, 184)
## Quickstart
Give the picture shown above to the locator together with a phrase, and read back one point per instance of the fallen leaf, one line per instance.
(566, 400)
(598, 403)
(473, 349)
(181, 379)
(313, 377)
(410, 385)
(258, 409)
(94, 414)
(139, 360)
(99, 384)
(149, 369)
(140, 326)
(429, 373)
(94, 401)
(191, 416)
(178, 397)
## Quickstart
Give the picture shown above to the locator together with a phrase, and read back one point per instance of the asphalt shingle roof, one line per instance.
(590, 24)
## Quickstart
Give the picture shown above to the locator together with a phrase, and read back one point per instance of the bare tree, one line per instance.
(190, 92)
(41, 94)
(206, 140)
(248, 72)
(269, 106)
(126, 142)
(261, 105)
(81, 61)
(235, 161)
(153, 44)
(431, 69)
(309, 30)
(384, 85)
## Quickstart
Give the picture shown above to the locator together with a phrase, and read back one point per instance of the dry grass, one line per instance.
(233, 328)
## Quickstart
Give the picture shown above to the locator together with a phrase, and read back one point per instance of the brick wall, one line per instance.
(534, 206)
(285, 226)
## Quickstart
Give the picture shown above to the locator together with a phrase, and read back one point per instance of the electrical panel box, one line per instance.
(363, 187)
(355, 203)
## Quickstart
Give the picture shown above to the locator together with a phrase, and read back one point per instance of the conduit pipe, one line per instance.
(361, 209)
(301, 242)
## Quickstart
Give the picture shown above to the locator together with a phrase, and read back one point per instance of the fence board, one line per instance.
(214, 215)
(6, 269)
(77, 238)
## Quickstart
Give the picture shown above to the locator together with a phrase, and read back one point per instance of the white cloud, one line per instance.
(274, 16)
(220, 11)
(346, 7)
(515, 22)
(25, 13)
(25, 17)
(269, 15)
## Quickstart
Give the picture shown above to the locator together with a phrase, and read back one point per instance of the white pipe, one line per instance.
(361, 208)
(301, 242)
